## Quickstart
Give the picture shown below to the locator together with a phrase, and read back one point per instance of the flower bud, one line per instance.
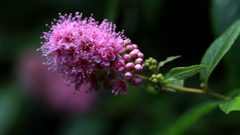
(127, 57)
(153, 76)
(146, 64)
(155, 81)
(154, 61)
(134, 53)
(160, 77)
(127, 42)
(139, 61)
(135, 46)
(128, 76)
(130, 66)
(129, 48)
(137, 80)
(140, 55)
(138, 68)
(147, 61)
(151, 68)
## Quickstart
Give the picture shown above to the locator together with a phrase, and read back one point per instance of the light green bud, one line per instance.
(151, 68)
(146, 64)
(154, 67)
(160, 77)
(154, 62)
(147, 61)
(153, 76)
(154, 80)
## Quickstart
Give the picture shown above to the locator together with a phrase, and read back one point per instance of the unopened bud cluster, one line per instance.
(150, 64)
(133, 58)
(156, 81)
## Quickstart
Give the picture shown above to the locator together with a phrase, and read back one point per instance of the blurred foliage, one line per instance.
(161, 28)
(189, 117)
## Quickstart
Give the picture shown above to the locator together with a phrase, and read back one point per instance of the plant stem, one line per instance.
(192, 90)
(199, 91)
(142, 77)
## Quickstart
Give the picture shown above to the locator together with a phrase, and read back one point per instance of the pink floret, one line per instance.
(120, 87)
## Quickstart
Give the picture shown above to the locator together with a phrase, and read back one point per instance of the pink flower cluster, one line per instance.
(86, 52)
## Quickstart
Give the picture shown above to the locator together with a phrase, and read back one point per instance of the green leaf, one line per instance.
(231, 105)
(220, 13)
(190, 117)
(177, 82)
(161, 63)
(218, 49)
(180, 73)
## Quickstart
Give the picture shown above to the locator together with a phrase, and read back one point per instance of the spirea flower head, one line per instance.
(84, 51)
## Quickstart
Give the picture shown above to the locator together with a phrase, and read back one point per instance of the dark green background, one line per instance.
(161, 28)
